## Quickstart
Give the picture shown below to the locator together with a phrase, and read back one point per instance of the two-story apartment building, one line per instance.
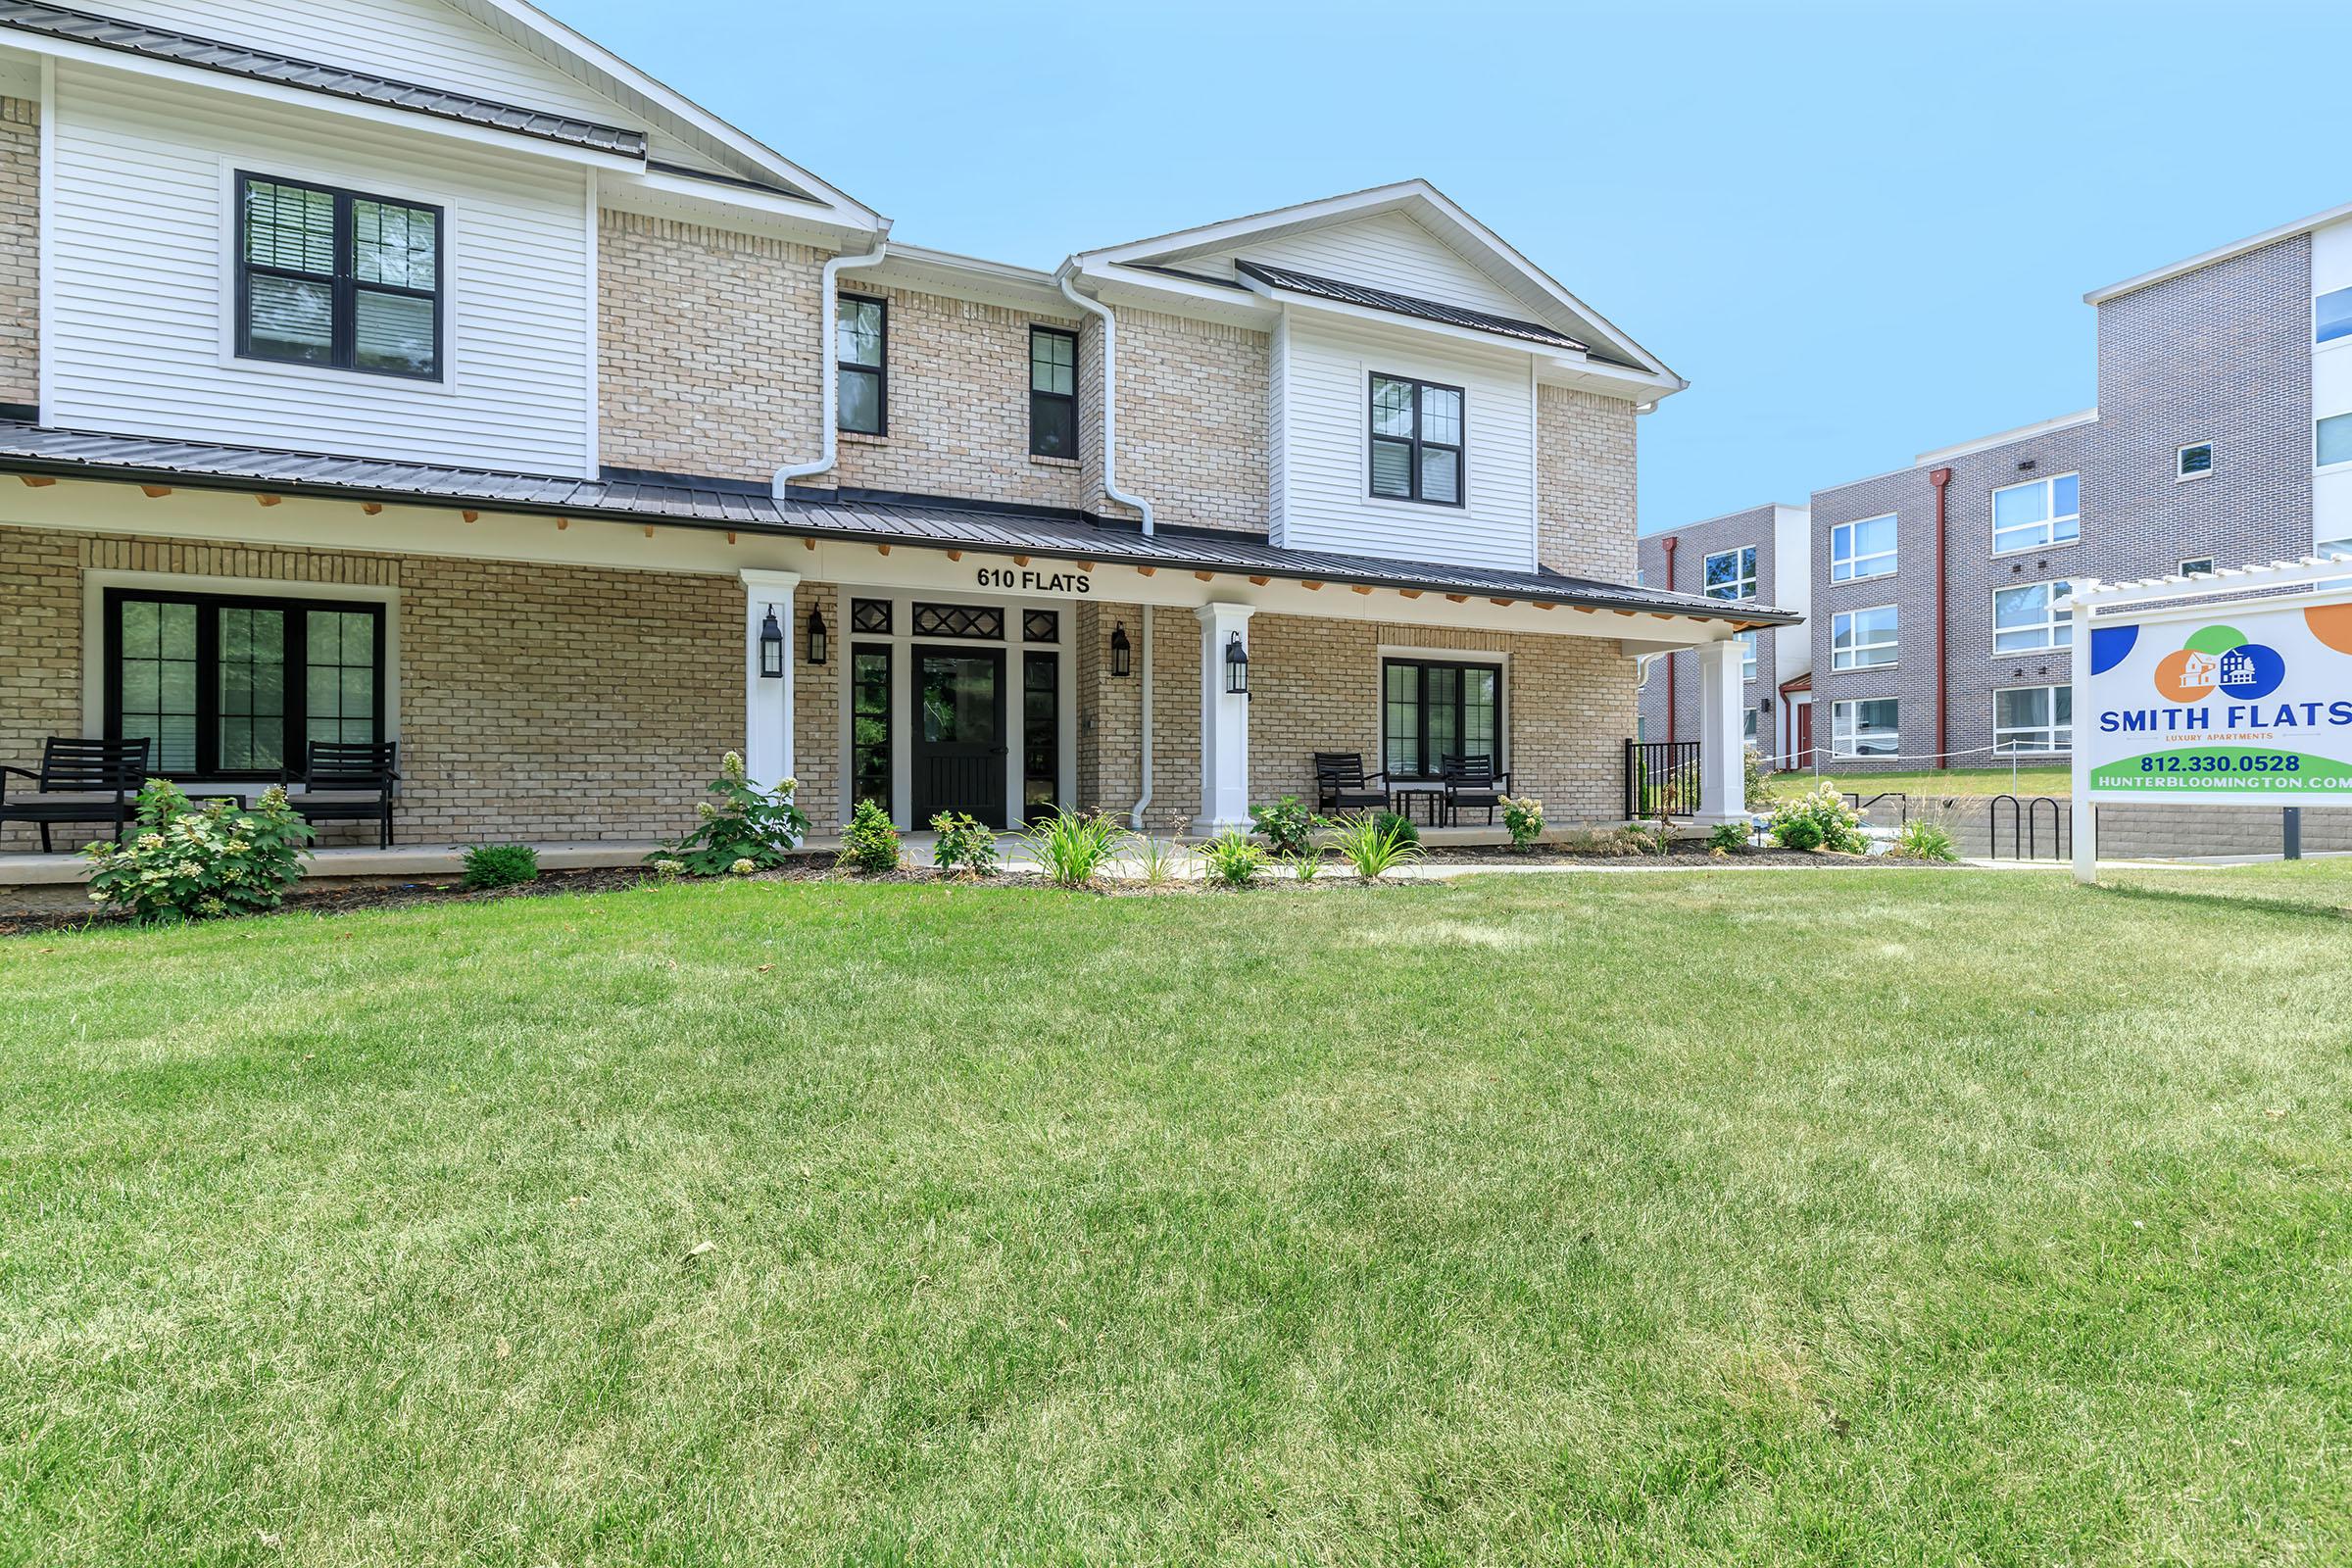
(416, 370)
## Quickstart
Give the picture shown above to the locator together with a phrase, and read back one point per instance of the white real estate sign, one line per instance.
(2245, 702)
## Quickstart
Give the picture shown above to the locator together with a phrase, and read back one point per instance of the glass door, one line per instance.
(959, 747)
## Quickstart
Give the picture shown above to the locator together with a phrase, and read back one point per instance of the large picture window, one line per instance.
(1416, 441)
(1433, 710)
(2033, 719)
(337, 278)
(1864, 639)
(1864, 549)
(861, 348)
(1052, 393)
(229, 687)
(1730, 573)
(2037, 513)
(1870, 727)
(2025, 618)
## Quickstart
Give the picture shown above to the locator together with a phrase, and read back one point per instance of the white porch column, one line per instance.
(1224, 724)
(1721, 780)
(766, 702)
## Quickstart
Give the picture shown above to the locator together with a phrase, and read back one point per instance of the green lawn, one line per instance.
(1955, 781)
(1724, 1218)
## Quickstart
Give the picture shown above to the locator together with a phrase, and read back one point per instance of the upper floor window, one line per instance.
(337, 278)
(2332, 441)
(2194, 462)
(2039, 512)
(2332, 316)
(861, 343)
(1053, 392)
(1863, 639)
(1747, 654)
(2027, 617)
(1730, 573)
(1416, 441)
(1864, 549)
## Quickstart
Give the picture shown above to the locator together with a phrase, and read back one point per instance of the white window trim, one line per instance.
(1852, 560)
(2049, 524)
(1747, 583)
(1365, 375)
(1752, 645)
(2206, 473)
(2051, 624)
(1849, 616)
(1848, 705)
(2316, 467)
(2053, 729)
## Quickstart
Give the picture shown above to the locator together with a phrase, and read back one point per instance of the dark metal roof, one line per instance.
(259, 64)
(1420, 310)
(719, 504)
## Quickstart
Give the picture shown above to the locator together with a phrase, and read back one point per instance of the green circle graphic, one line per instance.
(2215, 640)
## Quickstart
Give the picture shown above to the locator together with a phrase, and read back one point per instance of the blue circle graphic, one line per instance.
(2251, 670)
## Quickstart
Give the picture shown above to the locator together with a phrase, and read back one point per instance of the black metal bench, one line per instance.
(348, 781)
(81, 782)
(1472, 781)
(1342, 784)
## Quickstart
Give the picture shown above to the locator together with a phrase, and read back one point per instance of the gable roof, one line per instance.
(1420, 310)
(1479, 247)
(238, 60)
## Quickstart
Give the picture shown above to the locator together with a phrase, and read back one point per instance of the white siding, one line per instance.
(141, 305)
(1326, 465)
(424, 42)
(1278, 375)
(1391, 251)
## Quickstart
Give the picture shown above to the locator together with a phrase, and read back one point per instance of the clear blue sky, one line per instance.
(1858, 231)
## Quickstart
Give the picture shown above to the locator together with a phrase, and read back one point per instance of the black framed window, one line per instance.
(1053, 392)
(982, 622)
(1041, 732)
(1416, 441)
(338, 278)
(870, 615)
(869, 725)
(231, 687)
(1435, 709)
(862, 346)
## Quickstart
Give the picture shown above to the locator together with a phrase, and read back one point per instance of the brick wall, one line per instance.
(40, 655)
(706, 348)
(19, 251)
(1695, 542)
(1192, 420)
(1586, 484)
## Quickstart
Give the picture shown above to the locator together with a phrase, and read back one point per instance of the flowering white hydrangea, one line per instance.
(743, 867)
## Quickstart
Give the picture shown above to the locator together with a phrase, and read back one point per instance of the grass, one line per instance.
(1955, 781)
(1562, 1219)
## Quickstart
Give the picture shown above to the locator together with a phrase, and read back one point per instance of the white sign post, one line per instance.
(2243, 701)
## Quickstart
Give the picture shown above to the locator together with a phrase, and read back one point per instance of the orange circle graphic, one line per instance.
(2331, 624)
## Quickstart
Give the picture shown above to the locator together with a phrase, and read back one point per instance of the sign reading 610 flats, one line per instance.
(2240, 702)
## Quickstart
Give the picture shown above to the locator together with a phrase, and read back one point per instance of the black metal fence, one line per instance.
(1661, 778)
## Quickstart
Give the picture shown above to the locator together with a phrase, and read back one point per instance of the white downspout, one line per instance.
(829, 356)
(1143, 802)
(1110, 417)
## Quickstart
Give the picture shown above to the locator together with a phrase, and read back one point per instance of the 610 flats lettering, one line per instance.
(2235, 702)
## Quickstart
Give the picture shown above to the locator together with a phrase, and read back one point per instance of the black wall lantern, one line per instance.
(817, 637)
(772, 647)
(1237, 666)
(1118, 651)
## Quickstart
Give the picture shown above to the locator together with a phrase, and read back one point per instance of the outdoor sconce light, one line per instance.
(1237, 667)
(1118, 651)
(772, 647)
(1764, 705)
(817, 637)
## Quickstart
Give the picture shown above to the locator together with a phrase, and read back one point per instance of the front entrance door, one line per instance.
(960, 747)
(1805, 735)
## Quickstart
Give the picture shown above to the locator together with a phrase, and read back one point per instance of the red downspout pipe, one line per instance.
(1670, 542)
(1940, 479)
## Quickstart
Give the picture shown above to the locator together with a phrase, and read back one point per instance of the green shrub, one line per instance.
(963, 842)
(501, 865)
(1159, 862)
(1234, 859)
(1073, 848)
(745, 823)
(1926, 839)
(1615, 841)
(1522, 819)
(1728, 837)
(1377, 843)
(1288, 825)
(187, 863)
(870, 843)
(1818, 819)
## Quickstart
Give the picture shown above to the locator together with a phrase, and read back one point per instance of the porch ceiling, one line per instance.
(38, 452)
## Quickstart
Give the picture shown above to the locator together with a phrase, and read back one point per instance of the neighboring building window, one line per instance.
(1747, 726)
(1866, 729)
(337, 278)
(1747, 654)
(1430, 711)
(1863, 639)
(2033, 719)
(1730, 573)
(2201, 567)
(2039, 512)
(2332, 316)
(1053, 392)
(1864, 549)
(2194, 462)
(1416, 441)
(861, 344)
(2024, 620)
(229, 687)
(2333, 440)
(2328, 548)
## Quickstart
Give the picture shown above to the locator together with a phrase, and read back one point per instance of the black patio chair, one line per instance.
(348, 781)
(1473, 782)
(80, 781)
(1342, 784)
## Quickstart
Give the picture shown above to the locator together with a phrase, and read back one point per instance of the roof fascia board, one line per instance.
(2220, 252)
(1217, 235)
(922, 271)
(1155, 291)
(2002, 438)
(728, 206)
(597, 57)
(406, 120)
